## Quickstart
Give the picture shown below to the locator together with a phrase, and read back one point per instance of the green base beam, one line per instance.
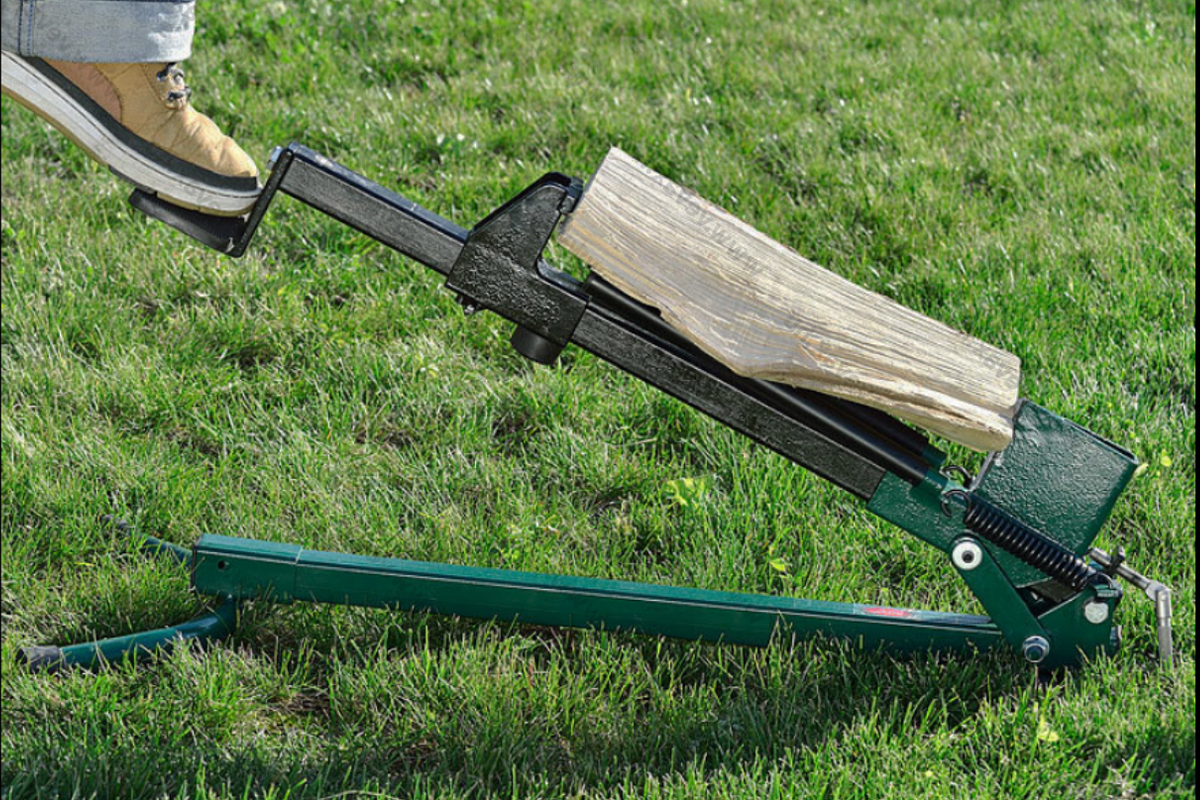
(246, 569)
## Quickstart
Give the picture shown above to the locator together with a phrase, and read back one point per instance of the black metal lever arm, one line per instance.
(498, 265)
(340, 193)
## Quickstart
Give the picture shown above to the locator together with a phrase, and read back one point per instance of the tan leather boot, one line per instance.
(138, 120)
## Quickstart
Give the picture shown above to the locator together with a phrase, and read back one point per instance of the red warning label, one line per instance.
(894, 613)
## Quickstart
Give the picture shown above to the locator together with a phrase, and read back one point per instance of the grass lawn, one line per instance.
(1023, 171)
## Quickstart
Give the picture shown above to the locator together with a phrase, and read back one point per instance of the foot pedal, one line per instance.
(226, 235)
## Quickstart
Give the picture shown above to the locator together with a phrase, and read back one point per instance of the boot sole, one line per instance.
(131, 158)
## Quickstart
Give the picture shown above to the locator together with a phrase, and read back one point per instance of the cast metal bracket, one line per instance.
(501, 269)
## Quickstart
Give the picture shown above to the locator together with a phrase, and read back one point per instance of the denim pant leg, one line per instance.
(97, 31)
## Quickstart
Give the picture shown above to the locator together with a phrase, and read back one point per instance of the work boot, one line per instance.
(138, 120)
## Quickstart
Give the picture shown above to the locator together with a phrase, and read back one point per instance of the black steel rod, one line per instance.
(621, 342)
(824, 414)
(872, 418)
(911, 440)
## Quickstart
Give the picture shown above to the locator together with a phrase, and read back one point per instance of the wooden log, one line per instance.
(767, 312)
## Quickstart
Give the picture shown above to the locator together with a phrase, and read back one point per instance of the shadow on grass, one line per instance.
(440, 707)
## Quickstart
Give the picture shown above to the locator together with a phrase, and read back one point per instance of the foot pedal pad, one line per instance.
(227, 235)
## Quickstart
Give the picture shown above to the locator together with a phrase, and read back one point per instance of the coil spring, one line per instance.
(1028, 545)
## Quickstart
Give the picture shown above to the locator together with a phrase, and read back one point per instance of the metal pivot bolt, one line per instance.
(1036, 649)
(967, 556)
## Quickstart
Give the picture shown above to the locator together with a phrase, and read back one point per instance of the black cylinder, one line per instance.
(535, 347)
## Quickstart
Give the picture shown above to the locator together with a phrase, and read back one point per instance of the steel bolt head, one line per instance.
(1097, 613)
(1036, 649)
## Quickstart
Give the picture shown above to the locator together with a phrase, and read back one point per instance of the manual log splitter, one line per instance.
(1020, 533)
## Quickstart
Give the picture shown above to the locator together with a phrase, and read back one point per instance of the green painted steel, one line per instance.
(1073, 636)
(998, 597)
(922, 509)
(1058, 478)
(247, 569)
(1067, 507)
(933, 510)
(212, 626)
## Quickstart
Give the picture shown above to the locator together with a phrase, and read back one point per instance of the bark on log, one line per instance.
(767, 312)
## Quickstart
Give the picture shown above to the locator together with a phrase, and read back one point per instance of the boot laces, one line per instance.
(180, 94)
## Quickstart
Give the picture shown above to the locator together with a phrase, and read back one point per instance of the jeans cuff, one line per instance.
(100, 31)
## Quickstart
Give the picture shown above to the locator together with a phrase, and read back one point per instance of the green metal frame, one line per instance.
(211, 626)
(1046, 632)
(1021, 615)
(245, 568)
(280, 573)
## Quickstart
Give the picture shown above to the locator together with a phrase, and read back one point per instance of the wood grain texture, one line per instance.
(767, 312)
